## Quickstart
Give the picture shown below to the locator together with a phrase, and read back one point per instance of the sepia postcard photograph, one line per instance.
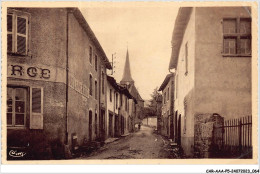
(129, 82)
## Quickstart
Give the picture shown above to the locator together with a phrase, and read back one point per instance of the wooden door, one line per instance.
(90, 126)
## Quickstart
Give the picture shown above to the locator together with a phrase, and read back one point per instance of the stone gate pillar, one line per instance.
(204, 134)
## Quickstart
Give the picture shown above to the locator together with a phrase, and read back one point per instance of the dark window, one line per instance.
(90, 54)
(116, 100)
(90, 84)
(17, 33)
(125, 103)
(96, 92)
(96, 63)
(110, 95)
(164, 98)
(237, 37)
(103, 81)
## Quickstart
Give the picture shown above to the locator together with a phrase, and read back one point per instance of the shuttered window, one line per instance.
(36, 100)
(17, 33)
(237, 37)
(36, 108)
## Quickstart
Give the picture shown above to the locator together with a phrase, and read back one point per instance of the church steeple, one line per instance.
(127, 78)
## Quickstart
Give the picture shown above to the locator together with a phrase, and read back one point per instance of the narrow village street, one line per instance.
(144, 144)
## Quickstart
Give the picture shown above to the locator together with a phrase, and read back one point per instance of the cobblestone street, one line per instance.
(144, 144)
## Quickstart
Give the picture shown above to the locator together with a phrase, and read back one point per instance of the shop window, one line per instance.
(19, 105)
(237, 37)
(16, 106)
(17, 32)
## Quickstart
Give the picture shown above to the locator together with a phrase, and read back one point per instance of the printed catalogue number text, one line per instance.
(232, 171)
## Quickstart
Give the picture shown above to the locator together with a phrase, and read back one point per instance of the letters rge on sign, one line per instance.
(28, 72)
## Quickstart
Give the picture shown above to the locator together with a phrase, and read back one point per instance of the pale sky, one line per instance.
(148, 32)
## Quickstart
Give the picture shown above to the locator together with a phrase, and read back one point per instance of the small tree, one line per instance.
(153, 102)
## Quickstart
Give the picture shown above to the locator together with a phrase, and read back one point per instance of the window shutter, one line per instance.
(36, 108)
(9, 33)
(21, 35)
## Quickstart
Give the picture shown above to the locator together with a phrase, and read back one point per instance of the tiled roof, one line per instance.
(165, 82)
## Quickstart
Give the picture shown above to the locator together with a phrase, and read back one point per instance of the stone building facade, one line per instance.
(55, 81)
(211, 55)
(167, 119)
(120, 109)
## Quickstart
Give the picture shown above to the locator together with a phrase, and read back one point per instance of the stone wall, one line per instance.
(204, 134)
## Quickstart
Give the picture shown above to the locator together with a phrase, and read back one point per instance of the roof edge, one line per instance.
(82, 21)
(180, 25)
(165, 82)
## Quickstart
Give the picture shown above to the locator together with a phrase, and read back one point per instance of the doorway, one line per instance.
(90, 125)
(102, 124)
(179, 130)
(110, 125)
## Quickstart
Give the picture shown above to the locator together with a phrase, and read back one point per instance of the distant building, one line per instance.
(120, 109)
(211, 53)
(167, 119)
(55, 83)
(128, 82)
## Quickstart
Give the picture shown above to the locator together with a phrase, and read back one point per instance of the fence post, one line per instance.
(240, 136)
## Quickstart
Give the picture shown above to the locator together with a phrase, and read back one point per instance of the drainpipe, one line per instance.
(67, 74)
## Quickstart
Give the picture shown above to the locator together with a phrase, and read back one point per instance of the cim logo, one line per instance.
(15, 154)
